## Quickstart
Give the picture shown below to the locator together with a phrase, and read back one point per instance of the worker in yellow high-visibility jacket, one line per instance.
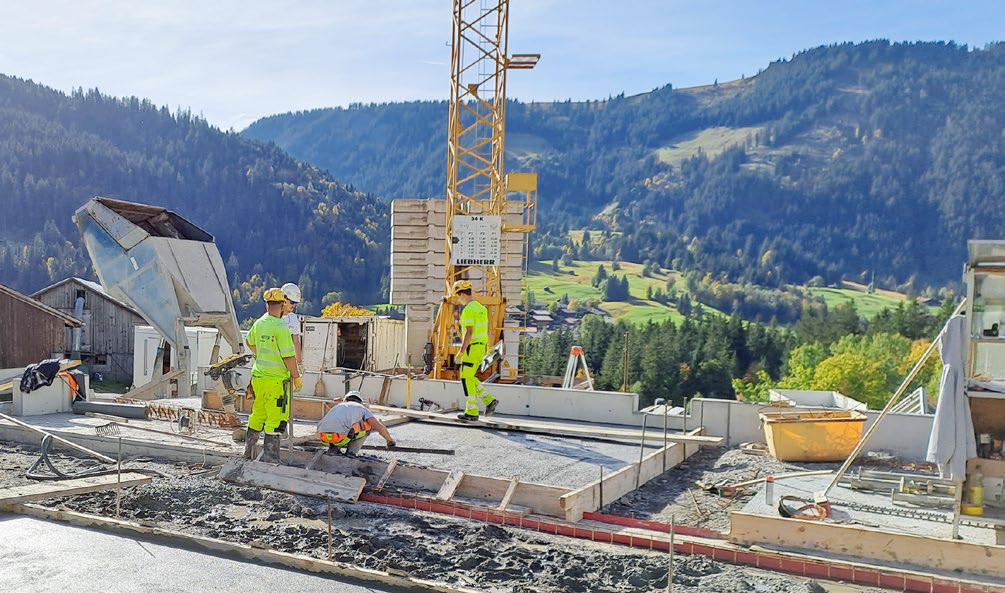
(274, 377)
(474, 321)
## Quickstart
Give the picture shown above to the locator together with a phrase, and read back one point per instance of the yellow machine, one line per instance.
(479, 213)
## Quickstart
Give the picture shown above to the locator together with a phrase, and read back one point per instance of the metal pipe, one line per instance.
(673, 527)
(134, 411)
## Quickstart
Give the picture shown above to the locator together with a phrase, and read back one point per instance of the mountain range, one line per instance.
(839, 162)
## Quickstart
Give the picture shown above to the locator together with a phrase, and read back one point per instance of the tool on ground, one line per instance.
(423, 403)
(400, 449)
(820, 498)
(112, 429)
(724, 488)
(576, 357)
(793, 507)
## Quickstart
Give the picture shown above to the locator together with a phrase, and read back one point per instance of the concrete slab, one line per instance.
(543, 459)
(41, 555)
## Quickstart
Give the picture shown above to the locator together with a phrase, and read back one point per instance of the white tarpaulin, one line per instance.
(952, 440)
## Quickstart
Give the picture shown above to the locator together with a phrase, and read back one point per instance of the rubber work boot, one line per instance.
(491, 408)
(467, 417)
(271, 448)
(250, 440)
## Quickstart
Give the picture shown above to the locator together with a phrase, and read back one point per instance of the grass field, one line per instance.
(549, 286)
(867, 305)
(710, 141)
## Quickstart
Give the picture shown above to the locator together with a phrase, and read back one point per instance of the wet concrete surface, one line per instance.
(543, 459)
(38, 555)
(487, 557)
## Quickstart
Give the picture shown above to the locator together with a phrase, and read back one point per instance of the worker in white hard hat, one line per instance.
(293, 296)
(348, 424)
(474, 320)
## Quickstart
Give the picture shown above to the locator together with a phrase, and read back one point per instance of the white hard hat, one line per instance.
(292, 292)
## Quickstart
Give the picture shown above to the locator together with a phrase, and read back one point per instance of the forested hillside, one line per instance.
(275, 219)
(837, 162)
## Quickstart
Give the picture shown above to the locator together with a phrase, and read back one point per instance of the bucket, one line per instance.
(826, 435)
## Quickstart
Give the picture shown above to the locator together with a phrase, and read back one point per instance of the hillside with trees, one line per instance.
(837, 162)
(275, 219)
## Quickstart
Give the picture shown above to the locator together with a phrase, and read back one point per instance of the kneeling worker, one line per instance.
(348, 424)
(272, 376)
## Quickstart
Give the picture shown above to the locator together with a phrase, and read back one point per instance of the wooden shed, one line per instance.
(30, 331)
(108, 333)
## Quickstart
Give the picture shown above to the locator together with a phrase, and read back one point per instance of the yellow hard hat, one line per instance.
(462, 285)
(274, 295)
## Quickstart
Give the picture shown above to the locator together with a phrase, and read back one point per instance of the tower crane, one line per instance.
(481, 212)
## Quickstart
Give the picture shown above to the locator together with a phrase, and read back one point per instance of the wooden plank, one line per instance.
(387, 474)
(42, 490)
(293, 480)
(556, 428)
(509, 494)
(450, 485)
(623, 481)
(385, 386)
(59, 439)
(244, 551)
(866, 543)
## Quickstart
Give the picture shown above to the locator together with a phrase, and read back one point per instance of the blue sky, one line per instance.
(235, 61)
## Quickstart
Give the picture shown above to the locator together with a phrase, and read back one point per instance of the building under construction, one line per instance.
(562, 489)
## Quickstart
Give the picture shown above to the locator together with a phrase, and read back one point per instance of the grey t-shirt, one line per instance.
(340, 418)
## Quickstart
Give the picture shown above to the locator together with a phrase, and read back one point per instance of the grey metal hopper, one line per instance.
(163, 266)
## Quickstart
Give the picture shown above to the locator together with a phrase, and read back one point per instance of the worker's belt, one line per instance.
(338, 439)
(476, 344)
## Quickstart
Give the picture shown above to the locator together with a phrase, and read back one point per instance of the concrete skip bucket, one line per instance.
(163, 266)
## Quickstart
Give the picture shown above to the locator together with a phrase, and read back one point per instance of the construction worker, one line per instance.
(474, 321)
(292, 293)
(348, 424)
(272, 376)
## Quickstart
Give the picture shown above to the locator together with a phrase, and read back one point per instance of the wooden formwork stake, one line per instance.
(673, 526)
(329, 527)
(118, 485)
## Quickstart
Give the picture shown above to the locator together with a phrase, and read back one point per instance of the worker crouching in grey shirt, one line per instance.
(348, 424)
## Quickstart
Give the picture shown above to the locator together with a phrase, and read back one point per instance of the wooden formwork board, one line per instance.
(559, 429)
(876, 545)
(594, 495)
(51, 489)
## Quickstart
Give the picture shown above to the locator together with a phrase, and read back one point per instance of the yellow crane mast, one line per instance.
(478, 212)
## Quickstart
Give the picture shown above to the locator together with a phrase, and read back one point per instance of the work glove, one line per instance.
(391, 444)
(297, 383)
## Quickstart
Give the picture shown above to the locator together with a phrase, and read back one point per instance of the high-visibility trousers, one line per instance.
(272, 405)
(473, 390)
(359, 431)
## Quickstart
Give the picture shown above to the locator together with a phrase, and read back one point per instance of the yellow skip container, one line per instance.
(826, 435)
